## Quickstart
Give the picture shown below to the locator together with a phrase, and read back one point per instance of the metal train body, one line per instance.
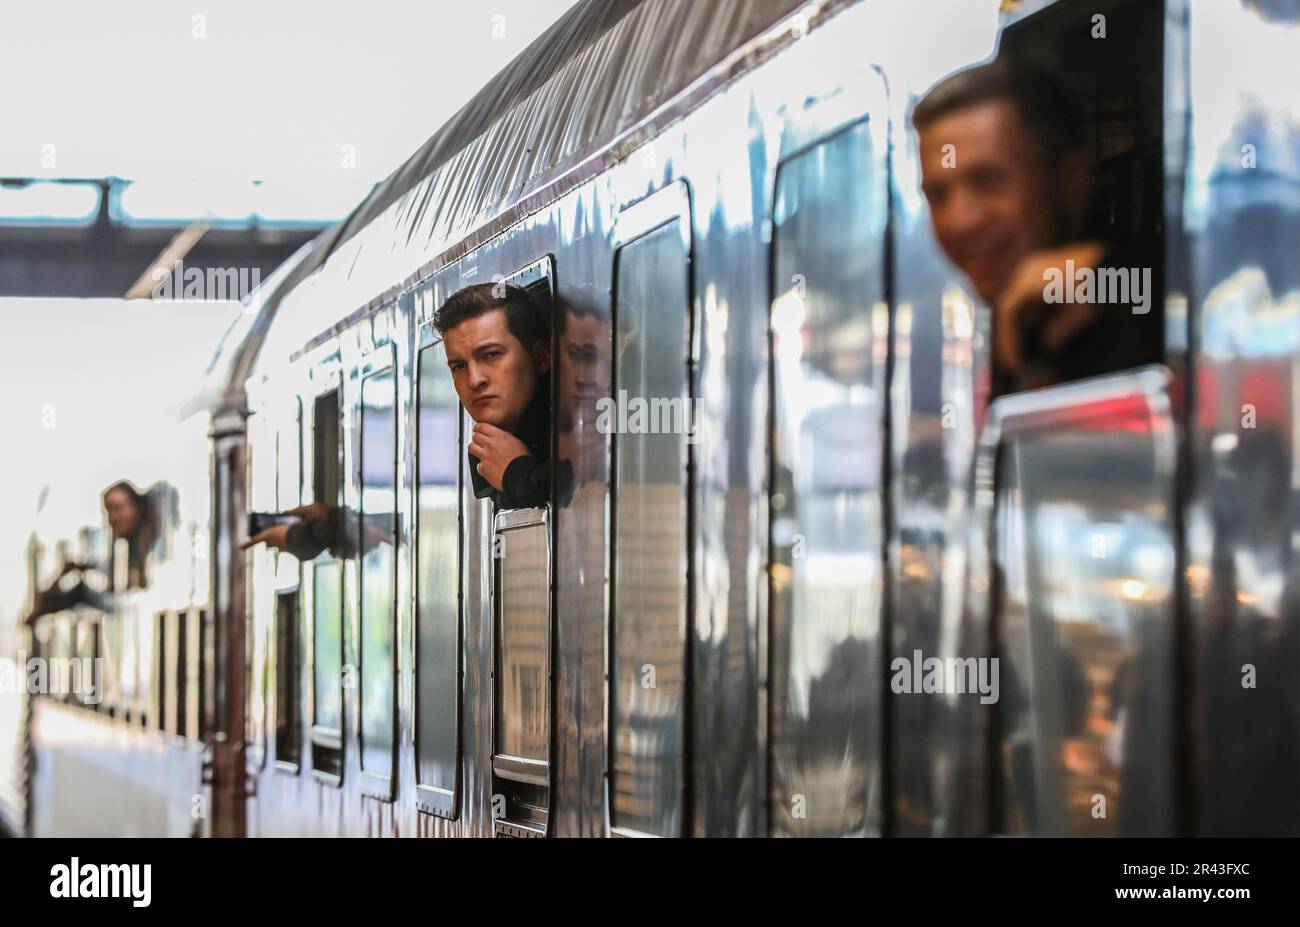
(703, 637)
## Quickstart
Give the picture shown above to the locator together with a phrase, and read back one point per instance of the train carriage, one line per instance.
(713, 628)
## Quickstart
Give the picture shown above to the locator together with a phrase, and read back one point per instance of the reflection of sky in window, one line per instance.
(438, 453)
(377, 453)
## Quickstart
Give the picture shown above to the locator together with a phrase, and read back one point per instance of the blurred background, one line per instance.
(159, 136)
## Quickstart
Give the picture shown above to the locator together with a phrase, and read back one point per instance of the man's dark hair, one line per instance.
(1047, 109)
(524, 318)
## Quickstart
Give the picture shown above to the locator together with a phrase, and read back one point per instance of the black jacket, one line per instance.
(526, 482)
(1117, 339)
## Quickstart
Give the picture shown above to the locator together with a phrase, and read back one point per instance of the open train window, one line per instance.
(828, 328)
(438, 456)
(1086, 298)
(538, 281)
(287, 660)
(652, 427)
(377, 574)
(324, 580)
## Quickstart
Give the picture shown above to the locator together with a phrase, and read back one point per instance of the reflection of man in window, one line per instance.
(1010, 183)
(583, 338)
(497, 343)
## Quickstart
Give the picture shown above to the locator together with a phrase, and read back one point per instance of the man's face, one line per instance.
(494, 374)
(991, 197)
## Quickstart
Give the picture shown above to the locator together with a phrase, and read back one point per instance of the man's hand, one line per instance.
(309, 511)
(495, 448)
(276, 536)
(1025, 293)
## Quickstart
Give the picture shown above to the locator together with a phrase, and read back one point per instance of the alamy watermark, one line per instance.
(641, 416)
(88, 880)
(920, 674)
(232, 284)
(1115, 285)
(79, 676)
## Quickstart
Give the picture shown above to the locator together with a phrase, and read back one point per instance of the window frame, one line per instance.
(325, 380)
(812, 137)
(670, 205)
(283, 589)
(429, 798)
(291, 765)
(378, 361)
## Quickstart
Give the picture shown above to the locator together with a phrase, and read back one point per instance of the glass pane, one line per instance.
(437, 572)
(654, 416)
(287, 732)
(328, 606)
(523, 647)
(1085, 548)
(828, 366)
(326, 449)
(378, 528)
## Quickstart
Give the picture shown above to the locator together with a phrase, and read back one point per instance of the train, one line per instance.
(731, 632)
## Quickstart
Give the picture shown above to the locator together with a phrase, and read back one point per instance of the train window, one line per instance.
(160, 682)
(378, 576)
(288, 730)
(182, 663)
(650, 565)
(197, 664)
(437, 676)
(287, 652)
(1083, 610)
(169, 668)
(829, 328)
(537, 280)
(88, 651)
(325, 449)
(1118, 86)
(326, 586)
(327, 707)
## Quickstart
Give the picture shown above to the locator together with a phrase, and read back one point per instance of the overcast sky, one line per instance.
(231, 91)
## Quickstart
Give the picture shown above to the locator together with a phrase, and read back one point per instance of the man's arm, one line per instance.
(526, 483)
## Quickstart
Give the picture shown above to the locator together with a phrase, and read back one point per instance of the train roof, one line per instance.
(601, 70)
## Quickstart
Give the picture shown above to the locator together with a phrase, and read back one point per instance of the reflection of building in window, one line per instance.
(524, 647)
